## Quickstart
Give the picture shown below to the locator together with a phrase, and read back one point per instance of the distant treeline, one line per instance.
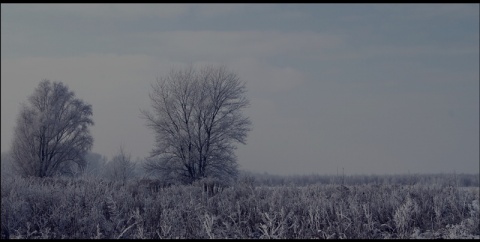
(442, 179)
(98, 167)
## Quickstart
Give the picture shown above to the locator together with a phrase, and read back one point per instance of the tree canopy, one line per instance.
(197, 119)
(52, 134)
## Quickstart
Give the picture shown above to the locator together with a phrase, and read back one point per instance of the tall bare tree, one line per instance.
(197, 120)
(52, 134)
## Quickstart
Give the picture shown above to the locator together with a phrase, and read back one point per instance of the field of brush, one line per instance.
(94, 208)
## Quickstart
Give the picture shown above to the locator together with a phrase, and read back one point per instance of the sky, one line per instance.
(367, 88)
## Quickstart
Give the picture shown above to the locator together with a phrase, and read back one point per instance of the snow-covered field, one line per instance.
(62, 208)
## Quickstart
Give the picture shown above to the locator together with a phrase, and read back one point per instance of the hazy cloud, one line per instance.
(372, 88)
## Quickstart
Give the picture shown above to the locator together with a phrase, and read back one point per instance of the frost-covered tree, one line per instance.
(6, 165)
(197, 119)
(95, 165)
(121, 167)
(52, 136)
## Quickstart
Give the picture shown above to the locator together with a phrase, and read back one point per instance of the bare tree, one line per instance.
(197, 120)
(95, 165)
(52, 134)
(121, 168)
(6, 165)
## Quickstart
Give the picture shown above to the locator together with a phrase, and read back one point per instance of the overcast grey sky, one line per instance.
(375, 89)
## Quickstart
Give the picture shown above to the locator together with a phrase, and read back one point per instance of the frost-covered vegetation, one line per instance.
(434, 206)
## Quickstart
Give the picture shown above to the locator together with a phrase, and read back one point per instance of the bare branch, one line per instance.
(197, 119)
